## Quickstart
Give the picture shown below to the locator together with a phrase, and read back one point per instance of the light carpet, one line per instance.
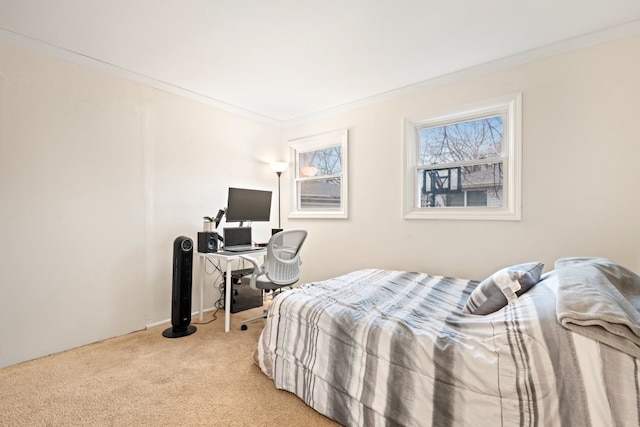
(143, 379)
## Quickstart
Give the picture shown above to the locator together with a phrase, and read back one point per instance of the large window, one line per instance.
(464, 165)
(320, 179)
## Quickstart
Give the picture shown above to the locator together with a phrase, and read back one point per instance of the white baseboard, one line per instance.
(168, 321)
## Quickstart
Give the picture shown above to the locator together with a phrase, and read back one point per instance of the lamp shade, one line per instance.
(279, 167)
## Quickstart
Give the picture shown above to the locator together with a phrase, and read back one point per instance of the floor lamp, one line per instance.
(278, 168)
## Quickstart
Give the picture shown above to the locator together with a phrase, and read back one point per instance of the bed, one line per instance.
(394, 348)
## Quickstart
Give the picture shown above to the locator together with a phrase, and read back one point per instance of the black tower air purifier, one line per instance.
(181, 297)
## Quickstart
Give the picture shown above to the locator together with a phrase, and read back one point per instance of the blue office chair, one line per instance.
(281, 265)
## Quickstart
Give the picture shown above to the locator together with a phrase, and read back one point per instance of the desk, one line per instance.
(228, 258)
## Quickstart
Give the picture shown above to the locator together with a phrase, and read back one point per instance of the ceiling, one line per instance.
(288, 59)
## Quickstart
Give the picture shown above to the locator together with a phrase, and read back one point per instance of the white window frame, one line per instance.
(511, 210)
(314, 143)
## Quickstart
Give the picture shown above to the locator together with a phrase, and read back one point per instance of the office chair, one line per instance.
(281, 265)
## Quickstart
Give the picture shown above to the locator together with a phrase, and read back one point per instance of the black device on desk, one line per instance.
(237, 238)
(242, 296)
(207, 241)
(244, 204)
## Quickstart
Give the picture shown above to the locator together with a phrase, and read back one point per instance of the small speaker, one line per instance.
(181, 295)
(207, 242)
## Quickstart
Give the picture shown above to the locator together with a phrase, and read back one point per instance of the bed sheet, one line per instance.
(381, 347)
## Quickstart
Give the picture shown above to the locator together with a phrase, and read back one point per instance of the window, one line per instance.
(320, 179)
(465, 165)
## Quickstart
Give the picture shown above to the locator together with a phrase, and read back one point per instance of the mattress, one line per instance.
(381, 347)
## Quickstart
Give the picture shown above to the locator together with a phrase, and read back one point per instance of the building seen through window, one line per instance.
(320, 171)
(461, 164)
(319, 184)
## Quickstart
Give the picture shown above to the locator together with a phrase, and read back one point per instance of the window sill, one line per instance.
(319, 214)
(464, 214)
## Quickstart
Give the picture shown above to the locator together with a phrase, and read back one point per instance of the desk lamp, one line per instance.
(278, 168)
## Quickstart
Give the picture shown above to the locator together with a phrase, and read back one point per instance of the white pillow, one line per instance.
(503, 287)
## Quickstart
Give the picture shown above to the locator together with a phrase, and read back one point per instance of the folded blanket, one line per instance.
(600, 299)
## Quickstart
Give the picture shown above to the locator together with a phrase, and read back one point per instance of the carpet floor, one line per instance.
(143, 379)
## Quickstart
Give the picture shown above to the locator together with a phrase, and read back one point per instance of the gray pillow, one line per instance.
(503, 287)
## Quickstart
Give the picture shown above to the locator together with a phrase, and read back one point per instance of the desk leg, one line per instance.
(227, 299)
(201, 312)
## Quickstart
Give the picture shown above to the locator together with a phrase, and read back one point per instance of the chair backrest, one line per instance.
(282, 264)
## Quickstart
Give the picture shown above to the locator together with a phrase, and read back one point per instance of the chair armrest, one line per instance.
(253, 261)
(257, 270)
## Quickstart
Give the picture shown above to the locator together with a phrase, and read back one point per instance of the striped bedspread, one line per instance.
(393, 348)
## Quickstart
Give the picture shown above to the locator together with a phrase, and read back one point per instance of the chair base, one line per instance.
(251, 319)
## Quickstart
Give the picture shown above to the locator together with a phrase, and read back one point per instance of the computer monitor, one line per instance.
(248, 205)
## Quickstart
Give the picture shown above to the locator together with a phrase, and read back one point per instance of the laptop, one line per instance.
(238, 239)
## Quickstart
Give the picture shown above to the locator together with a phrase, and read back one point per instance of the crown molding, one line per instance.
(594, 38)
(49, 49)
(626, 30)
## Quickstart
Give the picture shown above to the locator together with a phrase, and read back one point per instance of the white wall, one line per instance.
(193, 160)
(580, 175)
(98, 176)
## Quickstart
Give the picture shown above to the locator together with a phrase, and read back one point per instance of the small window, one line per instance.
(320, 179)
(464, 165)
